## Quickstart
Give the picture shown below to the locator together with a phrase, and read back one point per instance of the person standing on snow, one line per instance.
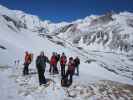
(77, 62)
(27, 61)
(57, 59)
(53, 64)
(70, 70)
(41, 65)
(63, 61)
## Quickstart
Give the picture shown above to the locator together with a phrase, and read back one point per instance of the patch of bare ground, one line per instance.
(101, 90)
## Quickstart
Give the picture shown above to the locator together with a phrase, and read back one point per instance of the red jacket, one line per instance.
(71, 65)
(63, 60)
(53, 60)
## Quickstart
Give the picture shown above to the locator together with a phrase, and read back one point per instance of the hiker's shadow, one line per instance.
(32, 73)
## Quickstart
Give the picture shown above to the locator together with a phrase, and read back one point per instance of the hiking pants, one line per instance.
(63, 70)
(41, 77)
(26, 69)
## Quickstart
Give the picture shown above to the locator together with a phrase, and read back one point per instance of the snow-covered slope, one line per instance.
(28, 21)
(112, 31)
(20, 32)
(17, 35)
(108, 32)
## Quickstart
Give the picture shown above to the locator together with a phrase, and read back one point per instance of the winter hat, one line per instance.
(71, 58)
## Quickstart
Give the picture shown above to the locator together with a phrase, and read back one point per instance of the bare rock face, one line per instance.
(102, 19)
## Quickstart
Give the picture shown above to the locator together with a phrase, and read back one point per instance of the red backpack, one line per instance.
(63, 60)
(53, 60)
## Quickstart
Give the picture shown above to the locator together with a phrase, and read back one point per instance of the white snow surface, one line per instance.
(102, 66)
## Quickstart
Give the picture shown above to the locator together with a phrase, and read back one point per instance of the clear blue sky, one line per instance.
(67, 10)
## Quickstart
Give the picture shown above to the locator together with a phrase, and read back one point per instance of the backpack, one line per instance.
(63, 60)
(53, 60)
(65, 82)
(30, 58)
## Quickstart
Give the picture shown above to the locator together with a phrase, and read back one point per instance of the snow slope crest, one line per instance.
(111, 31)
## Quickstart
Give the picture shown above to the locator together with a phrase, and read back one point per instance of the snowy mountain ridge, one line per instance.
(31, 22)
(108, 32)
(103, 75)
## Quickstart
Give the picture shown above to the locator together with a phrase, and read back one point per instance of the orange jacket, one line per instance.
(27, 58)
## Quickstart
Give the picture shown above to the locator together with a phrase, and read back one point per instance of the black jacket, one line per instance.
(41, 62)
(76, 61)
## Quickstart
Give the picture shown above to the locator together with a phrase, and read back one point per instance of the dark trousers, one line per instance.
(77, 69)
(69, 73)
(41, 76)
(62, 70)
(26, 69)
(56, 69)
(53, 68)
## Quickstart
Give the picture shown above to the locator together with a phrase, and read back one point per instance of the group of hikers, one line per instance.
(42, 59)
